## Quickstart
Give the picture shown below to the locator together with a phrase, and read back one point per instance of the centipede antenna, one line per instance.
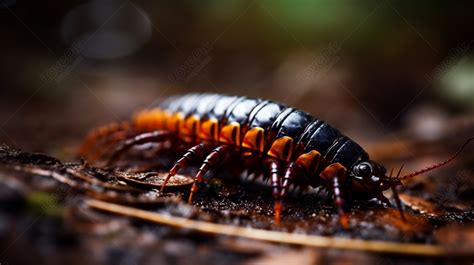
(391, 173)
(421, 171)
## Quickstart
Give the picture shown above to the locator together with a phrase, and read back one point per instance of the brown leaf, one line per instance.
(422, 206)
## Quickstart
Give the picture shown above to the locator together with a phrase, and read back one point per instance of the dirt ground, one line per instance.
(48, 209)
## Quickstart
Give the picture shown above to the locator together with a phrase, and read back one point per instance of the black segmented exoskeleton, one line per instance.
(287, 145)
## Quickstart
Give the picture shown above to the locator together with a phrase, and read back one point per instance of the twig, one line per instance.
(272, 236)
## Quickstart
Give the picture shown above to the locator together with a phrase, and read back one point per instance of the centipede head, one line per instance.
(369, 179)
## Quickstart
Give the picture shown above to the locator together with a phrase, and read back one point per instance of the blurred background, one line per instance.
(370, 68)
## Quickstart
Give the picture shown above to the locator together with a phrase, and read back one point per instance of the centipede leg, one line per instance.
(292, 172)
(398, 203)
(100, 133)
(215, 157)
(106, 143)
(148, 137)
(335, 175)
(192, 153)
(274, 168)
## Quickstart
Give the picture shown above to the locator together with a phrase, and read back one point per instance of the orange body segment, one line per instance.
(282, 148)
(309, 161)
(230, 134)
(188, 128)
(208, 130)
(173, 121)
(254, 139)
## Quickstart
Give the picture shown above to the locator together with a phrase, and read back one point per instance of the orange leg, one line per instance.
(195, 152)
(105, 144)
(274, 167)
(335, 175)
(148, 137)
(214, 158)
(293, 172)
(98, 134)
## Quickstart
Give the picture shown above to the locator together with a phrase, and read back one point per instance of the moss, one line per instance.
(45, 203)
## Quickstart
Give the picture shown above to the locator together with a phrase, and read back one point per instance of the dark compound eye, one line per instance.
(375, 178)
(364, 170)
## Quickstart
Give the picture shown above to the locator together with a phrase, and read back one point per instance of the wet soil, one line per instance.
(44, 211)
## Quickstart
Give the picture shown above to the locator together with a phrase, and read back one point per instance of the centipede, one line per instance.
(287, 146)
